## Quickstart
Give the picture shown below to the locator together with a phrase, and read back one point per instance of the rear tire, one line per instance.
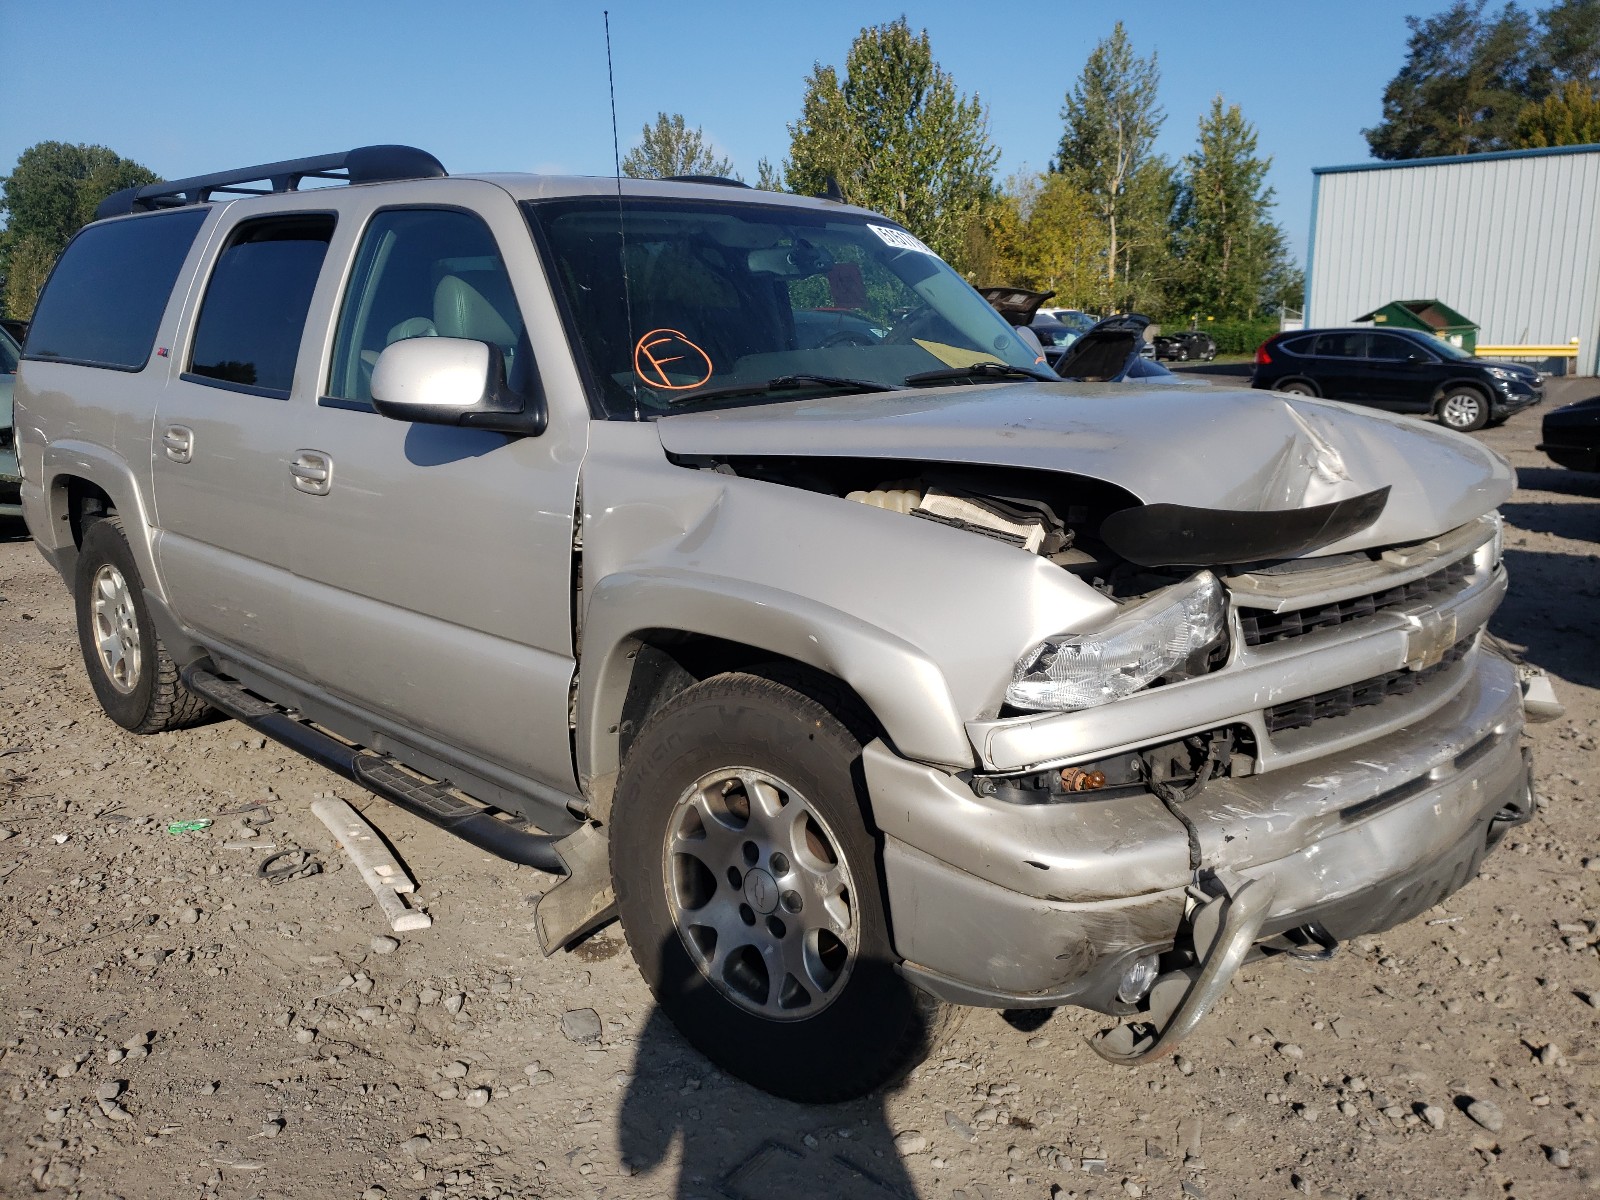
(748, 885)
(1297, 387)
(133, 677)
(1463, 409)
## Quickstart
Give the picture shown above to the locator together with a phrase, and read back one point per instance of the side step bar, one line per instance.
(433, 802)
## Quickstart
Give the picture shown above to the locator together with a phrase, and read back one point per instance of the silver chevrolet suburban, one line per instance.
(722, 553)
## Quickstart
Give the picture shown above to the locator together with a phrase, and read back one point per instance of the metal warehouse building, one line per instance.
(1511, 240)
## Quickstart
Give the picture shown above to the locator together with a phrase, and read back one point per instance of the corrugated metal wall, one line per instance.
(1511, 242)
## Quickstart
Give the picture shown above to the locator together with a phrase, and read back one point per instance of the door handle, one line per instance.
(178, 442)
(312, 471)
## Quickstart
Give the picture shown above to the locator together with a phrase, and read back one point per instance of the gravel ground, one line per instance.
(173, 1025)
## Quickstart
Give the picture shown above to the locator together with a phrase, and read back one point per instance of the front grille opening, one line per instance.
(1260, 627)
(1296, 714)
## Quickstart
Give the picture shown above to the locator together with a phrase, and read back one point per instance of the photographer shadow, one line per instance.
(734, 1142)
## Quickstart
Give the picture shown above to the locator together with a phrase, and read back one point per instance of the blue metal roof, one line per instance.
(1541, 152)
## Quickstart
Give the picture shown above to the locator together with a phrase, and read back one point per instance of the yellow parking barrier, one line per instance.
(1555, 350)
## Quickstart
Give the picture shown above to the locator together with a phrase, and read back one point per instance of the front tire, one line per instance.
(1463, 409)
(133, 677)
(749, 891)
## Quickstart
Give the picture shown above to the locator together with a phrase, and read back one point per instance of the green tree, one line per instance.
(1570, 117)
(896, 136)
(1112, 116)
(1569, 41)
(670, 147)
(768, 177)
(50, 194)
(1465, 80)
(1229, 248)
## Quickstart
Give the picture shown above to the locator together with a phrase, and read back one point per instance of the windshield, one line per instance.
(747, 303)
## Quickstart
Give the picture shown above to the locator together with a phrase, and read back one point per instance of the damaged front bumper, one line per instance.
(1007, 905)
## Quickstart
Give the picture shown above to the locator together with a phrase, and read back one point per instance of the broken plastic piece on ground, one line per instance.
(379, 869)
(1539, 702)
(189, 826)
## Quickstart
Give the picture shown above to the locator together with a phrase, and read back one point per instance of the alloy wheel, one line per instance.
(761, 894)
(116, 629)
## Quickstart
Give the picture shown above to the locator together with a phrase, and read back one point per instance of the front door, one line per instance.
(435, 562)
(220, 471)
(1399, 373)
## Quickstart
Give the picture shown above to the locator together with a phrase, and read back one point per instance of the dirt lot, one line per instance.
(171, 1025)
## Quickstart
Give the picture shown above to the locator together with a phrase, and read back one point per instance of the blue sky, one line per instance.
(187, 87)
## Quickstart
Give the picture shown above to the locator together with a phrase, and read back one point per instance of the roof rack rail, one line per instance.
(364, 164)
(719, 180)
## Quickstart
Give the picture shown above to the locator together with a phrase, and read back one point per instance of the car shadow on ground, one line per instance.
(1560, 481)
(1551, 615)
(737, 1143)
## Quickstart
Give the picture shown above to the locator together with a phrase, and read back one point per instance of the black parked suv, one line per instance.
(1397, 369)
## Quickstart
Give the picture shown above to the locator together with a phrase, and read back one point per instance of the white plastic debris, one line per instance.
(386, 877)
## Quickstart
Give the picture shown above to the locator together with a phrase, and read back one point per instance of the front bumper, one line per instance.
(1040, 905)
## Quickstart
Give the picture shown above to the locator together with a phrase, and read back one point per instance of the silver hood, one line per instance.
(1253, 451)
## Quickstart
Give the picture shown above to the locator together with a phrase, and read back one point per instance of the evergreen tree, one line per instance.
(1570, 117)
(670, 147)
(1229, 247)
(1569, 42)
(1465, 80)
(1112, 116)
(896, 136)
(50, 194)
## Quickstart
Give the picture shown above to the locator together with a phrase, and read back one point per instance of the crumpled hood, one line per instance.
(1224, 449)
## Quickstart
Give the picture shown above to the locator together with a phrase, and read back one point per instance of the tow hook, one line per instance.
(1225, 926)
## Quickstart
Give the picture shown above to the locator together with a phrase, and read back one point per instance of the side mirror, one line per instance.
(1417, 356)
(452, 381)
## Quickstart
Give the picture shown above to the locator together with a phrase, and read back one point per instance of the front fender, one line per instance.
(905, 690)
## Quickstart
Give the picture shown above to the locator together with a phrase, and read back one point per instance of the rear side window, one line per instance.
(103, 303)
(1342, 345)
(1299, 345)
(254, 312)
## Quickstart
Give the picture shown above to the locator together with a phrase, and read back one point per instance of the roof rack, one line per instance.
(364, 164)
(719, 180)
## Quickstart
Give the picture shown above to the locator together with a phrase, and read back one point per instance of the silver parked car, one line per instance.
(864, 675)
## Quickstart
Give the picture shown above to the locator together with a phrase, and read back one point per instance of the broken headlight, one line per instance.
(1147, 640)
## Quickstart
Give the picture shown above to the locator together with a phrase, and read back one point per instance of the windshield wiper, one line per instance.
(982, 370)
(784, 383)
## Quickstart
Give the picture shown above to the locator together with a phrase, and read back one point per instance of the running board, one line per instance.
(433, 802)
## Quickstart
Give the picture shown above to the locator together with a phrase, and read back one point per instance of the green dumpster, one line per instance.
(1429, 316)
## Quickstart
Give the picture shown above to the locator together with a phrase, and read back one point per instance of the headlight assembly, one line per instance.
(1141, 644)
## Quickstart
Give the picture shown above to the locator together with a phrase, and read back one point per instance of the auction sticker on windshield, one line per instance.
(899, 239)
(660, 348)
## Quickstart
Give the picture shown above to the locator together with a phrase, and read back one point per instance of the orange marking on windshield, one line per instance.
(655, 350)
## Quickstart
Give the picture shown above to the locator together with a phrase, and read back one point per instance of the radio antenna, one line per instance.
(622, 230)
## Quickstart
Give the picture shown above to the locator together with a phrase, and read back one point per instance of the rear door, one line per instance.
(1339, 366)
(1399, 373)
(436, 562)
(220, 468)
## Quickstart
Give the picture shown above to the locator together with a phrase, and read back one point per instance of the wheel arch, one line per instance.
(1467, 384)
(649, 636)
(80, 482)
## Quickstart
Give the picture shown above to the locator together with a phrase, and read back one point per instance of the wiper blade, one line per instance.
(982, 370)
(784, 383)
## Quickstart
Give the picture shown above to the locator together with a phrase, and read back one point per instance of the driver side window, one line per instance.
(422, 273)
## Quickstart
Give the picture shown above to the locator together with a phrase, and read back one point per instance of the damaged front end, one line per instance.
(1280, 724)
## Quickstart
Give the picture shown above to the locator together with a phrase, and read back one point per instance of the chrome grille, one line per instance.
(1260, 626)
(1337, 702)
